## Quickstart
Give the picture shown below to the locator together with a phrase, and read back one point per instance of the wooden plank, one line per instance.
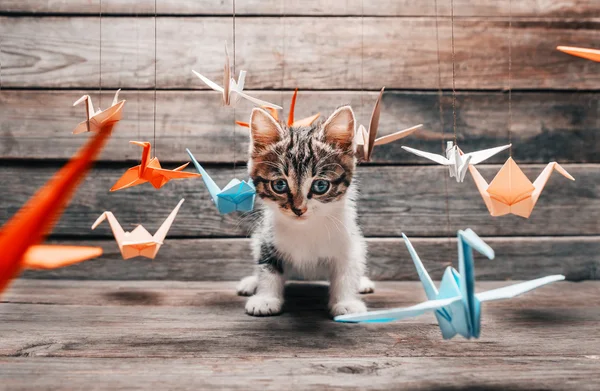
(314, 53)
(532, 8)
(203, 293)
(393, 200)
(546, 125)
(556, 373)
(134, 324)
(517, 258)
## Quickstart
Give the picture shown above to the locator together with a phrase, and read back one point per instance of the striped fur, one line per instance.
(299, 232)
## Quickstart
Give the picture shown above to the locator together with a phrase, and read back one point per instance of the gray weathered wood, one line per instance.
(546, 126)
(534, 8)
(410, 199)
(130, 319)
(275, 374)
(174, 335)
(578, 258)
(384, 373)
(315, 53)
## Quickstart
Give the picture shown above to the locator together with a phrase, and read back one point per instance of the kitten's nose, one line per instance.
(299, 212)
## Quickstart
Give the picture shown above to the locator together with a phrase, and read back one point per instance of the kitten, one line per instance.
(308, 224)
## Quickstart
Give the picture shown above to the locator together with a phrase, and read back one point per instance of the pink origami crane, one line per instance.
(139, 242)
(511, 191)
(97, 119)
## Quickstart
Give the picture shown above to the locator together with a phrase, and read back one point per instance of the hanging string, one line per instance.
(510, 119)
(100, 57)
(234, 116)
(441, 113)
(137, 68)
(155, 60)
(283, 47)
(362, 59)
(453, 71)
(0, 64)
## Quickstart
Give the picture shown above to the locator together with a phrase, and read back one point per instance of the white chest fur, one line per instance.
(309, 246)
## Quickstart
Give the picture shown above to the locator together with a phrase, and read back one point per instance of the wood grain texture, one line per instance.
(314, 53)
(534, 8)
(174, 335)
(393, 200)
(546, 125)
(556, 373)
(173, 320)
(517, 258)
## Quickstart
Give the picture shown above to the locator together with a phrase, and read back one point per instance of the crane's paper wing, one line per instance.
(45, 257)
(511, 291)
(439, 159)
(209, 82)
(479, 156)
(396, 313)
(396, 136)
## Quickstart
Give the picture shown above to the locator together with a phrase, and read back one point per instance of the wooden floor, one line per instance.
(165, 335)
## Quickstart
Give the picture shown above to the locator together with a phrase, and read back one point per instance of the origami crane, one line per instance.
(231, 86)
(290, 122)
(20, 236)
(97, 119)
(149, 170)
(139, 242)
(456, 160)
(589, 54)
(510, 191)
(456, 305)
(367, 140)
(236, 196)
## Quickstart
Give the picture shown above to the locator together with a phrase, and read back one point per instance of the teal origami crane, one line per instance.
(236, 196)
(456, 305)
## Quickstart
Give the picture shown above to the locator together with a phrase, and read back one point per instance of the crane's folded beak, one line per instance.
(140, 143)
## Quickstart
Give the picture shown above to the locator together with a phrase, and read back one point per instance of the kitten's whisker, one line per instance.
(342, 223)
(335, 224)
(328, 231)
(248, 217)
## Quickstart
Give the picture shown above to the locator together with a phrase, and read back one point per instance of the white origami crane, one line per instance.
(457, 161)
(138, 242)
(96, 119)
(230, 86)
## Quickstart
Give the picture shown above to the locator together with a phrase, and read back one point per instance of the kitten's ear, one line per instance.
(339, 128)
(264, 130)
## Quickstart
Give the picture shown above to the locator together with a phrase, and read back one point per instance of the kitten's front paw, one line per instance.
(366, 285)
(247, 286)
(348, 307)
(263, 305)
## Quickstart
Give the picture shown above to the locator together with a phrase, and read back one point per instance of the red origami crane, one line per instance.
(20, 236)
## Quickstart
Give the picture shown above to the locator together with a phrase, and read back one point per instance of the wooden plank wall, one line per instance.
(335, 53)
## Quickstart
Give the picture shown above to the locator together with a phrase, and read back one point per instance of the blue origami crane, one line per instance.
(456, 305)
(236, 196)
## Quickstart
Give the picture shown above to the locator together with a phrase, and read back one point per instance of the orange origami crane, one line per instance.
(149, 170)
(139, 242)
(589, 54)
(97, 119)
(28, 227)
(510, 191)
(290, 122)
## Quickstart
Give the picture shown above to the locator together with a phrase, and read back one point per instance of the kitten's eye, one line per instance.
(320, 186)
(279, 185)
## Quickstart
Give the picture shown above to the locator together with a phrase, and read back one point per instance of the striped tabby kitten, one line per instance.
(308, 225)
